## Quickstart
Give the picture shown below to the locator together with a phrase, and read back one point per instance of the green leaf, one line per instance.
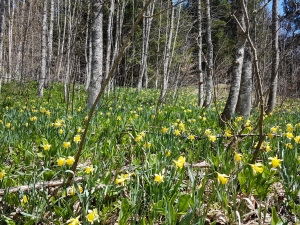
(8, 220)
(185, 201)
(275, 220)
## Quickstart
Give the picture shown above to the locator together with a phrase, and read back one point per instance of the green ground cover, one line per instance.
(143, 164)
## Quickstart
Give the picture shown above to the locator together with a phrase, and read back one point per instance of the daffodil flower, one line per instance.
(223, 178)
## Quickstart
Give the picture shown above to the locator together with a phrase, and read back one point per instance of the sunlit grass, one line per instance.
(141, 163)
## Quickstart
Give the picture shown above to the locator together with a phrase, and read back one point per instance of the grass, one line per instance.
(143, 165)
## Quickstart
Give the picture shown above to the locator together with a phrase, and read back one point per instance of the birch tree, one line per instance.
(236, 66)
(43, 51)
(2, 26)
(243, 106)
(199, 43)
(275, 59)
(147, 20)
(208, 80)
(11, 13)
(50, 42)
(166, 58)
(97, 56)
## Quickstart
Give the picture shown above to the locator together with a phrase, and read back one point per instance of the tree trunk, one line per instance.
(166, 60)
(10, 40)
(2, 23)
(97, 57)
(147, 21)
(109, 37)
(22, 33)
(209, 76)
(43, 51)
(243, 106)
(200, 85)
(88, 49)
(275, 59)
(50, 43)
(236, 68)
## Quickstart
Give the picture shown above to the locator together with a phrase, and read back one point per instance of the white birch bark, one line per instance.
(2, 23)
(166, 58)
(62, 42)
(19, 45)
(243, 106)
(275, 59)
(209, 73)
(50, 43)
(97, 57)
(199, 40)
(236, 67)
(43, 51)
(147, 21)
(10, 40)
(88, 49)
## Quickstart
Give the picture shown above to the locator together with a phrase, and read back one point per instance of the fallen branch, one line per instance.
(39, 185)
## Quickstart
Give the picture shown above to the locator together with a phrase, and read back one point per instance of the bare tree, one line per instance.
(50, 43)
(2, 23)
(147, 20)
(275, 59)
(209, 76)
(97, 56)
(243, 106)
(236, 66)
(199, 43)
(169, 35)
(43, 51)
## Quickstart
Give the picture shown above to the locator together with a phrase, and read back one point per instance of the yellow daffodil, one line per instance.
(32, 119)
(164, 130)
(74, 221)
(43, 110)
(180, 162)
(46, 147)
(257, 167)
(238, 119)
(61, 161)
(223, 178)
(275, 162)
(289, 145)
(66, 144)
(212, 138)
(118, 118)
(122, 178)
(168, 153)
(237, 157)
(70, 160)
(25, 199)
(159, 178)
(176, 132)
(147, 145)
(207, 132)
(271, 135)
(58, 123)
(61, 131)
(228, 133)
(191, 137)
(274, 129)
(289, 135)
(92, 216)
(7, 125)
(138, 138)
(77, 138)
(289, 127)
(79, 130)
(2, 174)
(297, 139)
(89, 169)
(181, 126)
